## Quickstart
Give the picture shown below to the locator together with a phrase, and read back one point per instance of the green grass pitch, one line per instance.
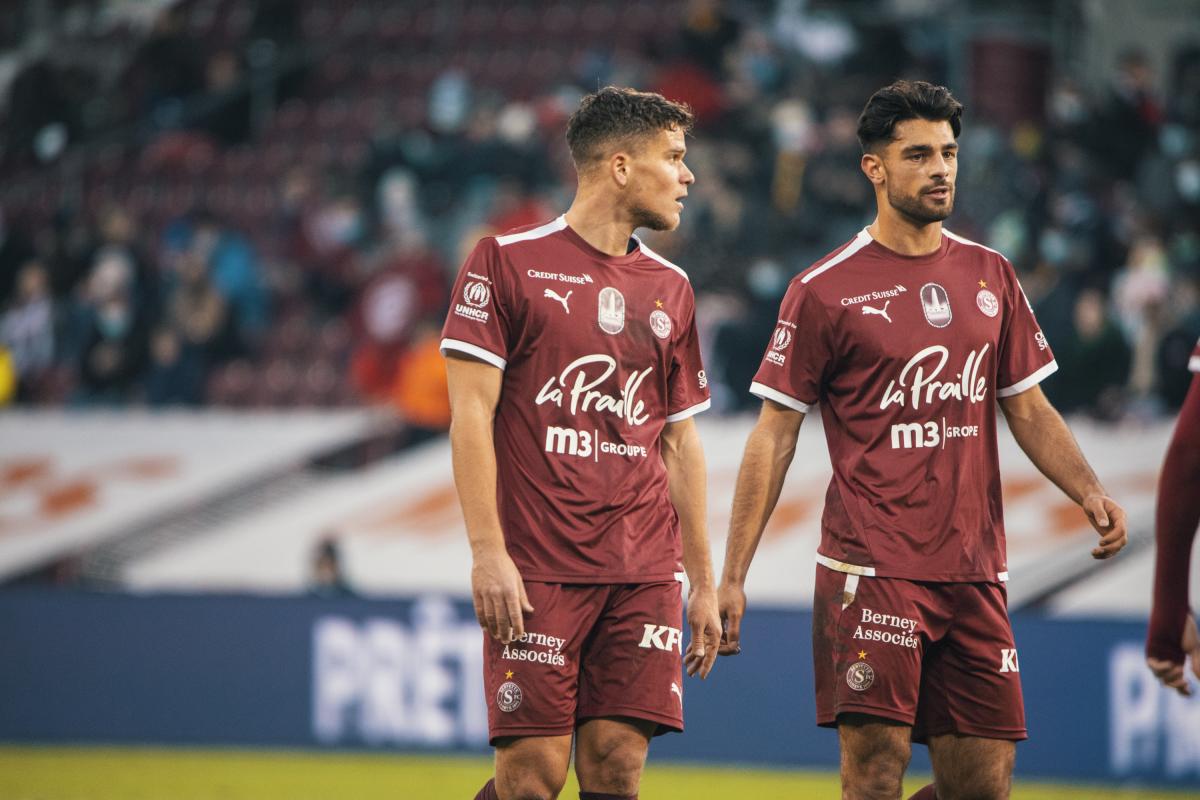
(31, 773)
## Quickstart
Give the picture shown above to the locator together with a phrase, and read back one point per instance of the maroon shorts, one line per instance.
(937, 656)
(589, 651)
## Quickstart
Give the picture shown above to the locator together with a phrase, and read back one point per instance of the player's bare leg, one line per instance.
(532, 767)
(875, 753)
(972, 767)
(610, 753)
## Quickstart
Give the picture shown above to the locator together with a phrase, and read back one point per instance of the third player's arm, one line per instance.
(683, 456)
(765, 463)
(496, 585)
(1041, 432)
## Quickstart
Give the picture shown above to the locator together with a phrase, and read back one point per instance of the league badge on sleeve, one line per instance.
(612, 311)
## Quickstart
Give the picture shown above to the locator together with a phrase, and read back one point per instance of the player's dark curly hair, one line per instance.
(616, 112)
(904, 100)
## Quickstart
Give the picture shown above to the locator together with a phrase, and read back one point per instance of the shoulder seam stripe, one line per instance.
(964, 240)
(642, 246)
(858, 243)
(537, 233)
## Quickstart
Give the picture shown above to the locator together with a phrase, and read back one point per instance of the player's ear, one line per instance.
(872, 167)
(618, 167)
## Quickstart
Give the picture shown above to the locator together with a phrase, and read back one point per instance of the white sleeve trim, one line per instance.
(690, 411)
(767, 393)
(1194, 364)
(473, 350)
(1030, 382)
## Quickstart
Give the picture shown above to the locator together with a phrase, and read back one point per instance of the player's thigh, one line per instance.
(532, 766)
(874, 755)
(971, 686)
(532, 685)
(972, 767)
(610, 753)
(631, 665)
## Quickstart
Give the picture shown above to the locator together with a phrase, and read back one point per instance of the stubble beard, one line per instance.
(645, 218)
(911, 207)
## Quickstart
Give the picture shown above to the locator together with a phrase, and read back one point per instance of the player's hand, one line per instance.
(1108, 519)
(499, 595)
(731, 602)
(1172, 673)
(705, 623)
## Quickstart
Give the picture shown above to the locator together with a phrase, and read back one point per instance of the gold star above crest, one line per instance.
(508, 674)
(658, 303)
(862, 654)
(983, 284)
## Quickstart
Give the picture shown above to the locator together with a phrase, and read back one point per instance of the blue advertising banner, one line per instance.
(406, 674)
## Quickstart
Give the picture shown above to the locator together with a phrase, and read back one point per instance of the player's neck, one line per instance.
(904, 236)
(600, 224)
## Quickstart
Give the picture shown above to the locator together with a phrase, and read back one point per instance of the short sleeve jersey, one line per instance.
(598, 353)
(906, 357)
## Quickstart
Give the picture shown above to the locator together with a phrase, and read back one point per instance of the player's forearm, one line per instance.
(1176, 519)
(1045, 438)
(687, 481)
(474, 457)
(759, 482)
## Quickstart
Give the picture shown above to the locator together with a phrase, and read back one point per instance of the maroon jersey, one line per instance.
(598, 353)
(907, 356)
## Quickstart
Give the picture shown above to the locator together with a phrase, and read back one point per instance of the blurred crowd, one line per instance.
(264, 204)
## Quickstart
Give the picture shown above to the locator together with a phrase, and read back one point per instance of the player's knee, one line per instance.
(875, 772)
(612, 765)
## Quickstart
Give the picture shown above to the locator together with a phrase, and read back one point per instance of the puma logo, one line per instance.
(868, 310)
(553, 295)
(675, 689)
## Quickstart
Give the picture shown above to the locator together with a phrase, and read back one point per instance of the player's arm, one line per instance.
(765, 463)
(683, 456)
(1041, 432)
(496, 586)
(1172, 635)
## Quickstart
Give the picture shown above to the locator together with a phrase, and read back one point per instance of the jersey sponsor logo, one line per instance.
(918, 383)
(936, 303)
(1008, 660)
(860, 676)
(508, 697)
(611, 315)
(881, 294)
(587, 444)
(882, 312)
(558, 276)
(660, 323)
(987, 302)
(536, 648)
(553, 295)
(702, 379)
(1040, 338)
(477, 294)
(916, 435)
(483, 278)
(579, 384)
(904, 635)
(661, 637)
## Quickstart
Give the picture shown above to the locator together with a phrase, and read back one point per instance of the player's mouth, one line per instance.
(939, 192)
(679, 201)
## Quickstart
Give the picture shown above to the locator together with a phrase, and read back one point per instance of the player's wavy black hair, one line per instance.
(616, 112)
(904, 100)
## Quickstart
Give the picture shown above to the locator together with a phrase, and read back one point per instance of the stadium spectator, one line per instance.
(1094, 361)
(328, 577)
(116, 342)
(27, 327)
